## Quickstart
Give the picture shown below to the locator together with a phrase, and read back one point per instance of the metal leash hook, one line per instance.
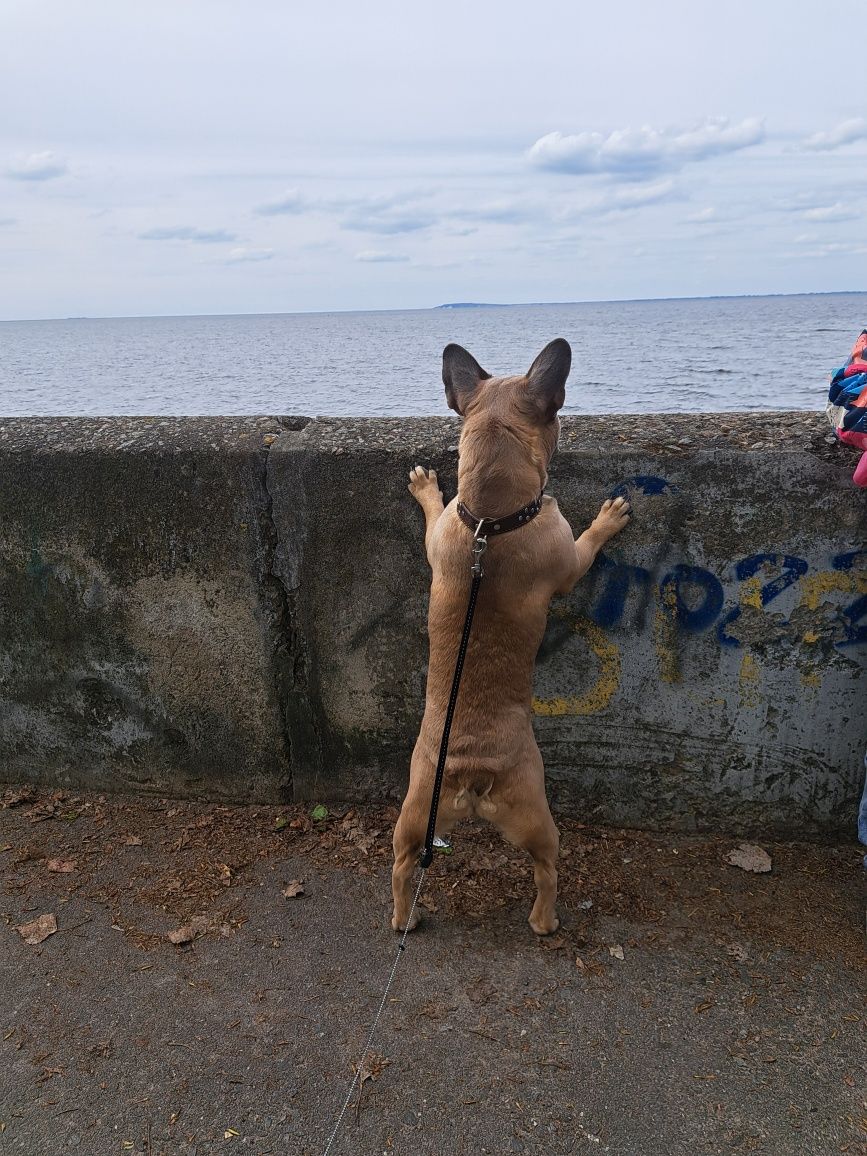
(480, 544)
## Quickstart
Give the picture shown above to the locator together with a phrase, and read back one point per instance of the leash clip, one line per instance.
(480, 544)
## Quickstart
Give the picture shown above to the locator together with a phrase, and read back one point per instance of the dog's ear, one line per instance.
(462, 376)
(546, 377)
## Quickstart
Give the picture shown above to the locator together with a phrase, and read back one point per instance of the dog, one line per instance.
(494, 767)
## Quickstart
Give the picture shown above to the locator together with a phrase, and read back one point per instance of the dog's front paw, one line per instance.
(612, 517)
(423, 484)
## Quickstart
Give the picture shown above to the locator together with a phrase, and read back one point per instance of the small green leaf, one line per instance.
(280, 822)
(319, 813)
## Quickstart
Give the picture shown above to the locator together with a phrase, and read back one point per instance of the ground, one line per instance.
(687, 1006)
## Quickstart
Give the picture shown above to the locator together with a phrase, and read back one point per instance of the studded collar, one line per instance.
(485, 527)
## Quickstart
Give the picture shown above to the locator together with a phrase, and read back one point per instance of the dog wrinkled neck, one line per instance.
(500, 468)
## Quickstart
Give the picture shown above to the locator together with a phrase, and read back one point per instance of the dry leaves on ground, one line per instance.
(293, 889)
(188, 932)
(37, 929)
(61, 866)
(749, 857)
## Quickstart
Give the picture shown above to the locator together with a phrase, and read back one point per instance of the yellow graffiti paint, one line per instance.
(751, 593)
(600, 694)
(811, 636)
(665, 641)
(811, 678)
(815, 588)
(748, 681)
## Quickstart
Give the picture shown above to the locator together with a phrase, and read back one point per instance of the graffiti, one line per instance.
(645, 484)
(807, 605)
(693, 597)
(755, 593)
(598, 696)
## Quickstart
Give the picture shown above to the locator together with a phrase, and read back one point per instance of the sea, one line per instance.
(674, 355)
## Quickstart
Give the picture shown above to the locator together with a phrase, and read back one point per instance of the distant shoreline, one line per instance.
(446, 305)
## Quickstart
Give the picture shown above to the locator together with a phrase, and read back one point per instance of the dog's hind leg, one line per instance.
(410, 831)
(408, 841)
(528, 824)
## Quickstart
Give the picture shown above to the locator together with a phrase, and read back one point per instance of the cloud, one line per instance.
(379, 257)
(241, 254)
(5, 222)
(43, 166)
(836, 212)
(386, 215)
(819, 252)
(702, 216)
(844, 133)
(633, 197)
(188, 233)
(502, 212)
(636, 154)
(291, 202)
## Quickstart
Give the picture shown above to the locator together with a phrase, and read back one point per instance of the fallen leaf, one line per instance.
(616, 951)
(188, 932)
(319, 813)
(229, 1133)
(225, 873)
(737, 951)
(749, 857)
(61, 866)
(280, 822)
(294, 889)
(37, 929)
(15, 798)
(132, 841)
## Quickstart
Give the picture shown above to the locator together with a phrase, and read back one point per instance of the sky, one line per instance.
(205, 156)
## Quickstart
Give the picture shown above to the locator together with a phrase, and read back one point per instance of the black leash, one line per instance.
(479, 546)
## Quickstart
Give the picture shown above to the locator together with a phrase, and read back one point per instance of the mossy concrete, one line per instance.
(237, 607)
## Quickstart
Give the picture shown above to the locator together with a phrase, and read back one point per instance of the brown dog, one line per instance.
(494, 768)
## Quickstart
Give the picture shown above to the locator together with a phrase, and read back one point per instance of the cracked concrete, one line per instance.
(235, 608)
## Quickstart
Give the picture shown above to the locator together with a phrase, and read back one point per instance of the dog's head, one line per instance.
(523, 408)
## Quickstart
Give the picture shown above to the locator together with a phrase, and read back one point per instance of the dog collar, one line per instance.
(488, 526)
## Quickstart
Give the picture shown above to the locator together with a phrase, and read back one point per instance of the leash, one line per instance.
(480, 544)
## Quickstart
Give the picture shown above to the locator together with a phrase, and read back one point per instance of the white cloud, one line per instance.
(386, 215)
(291, 202)
(641, 153)
(43, 166)
(5, 222)
(188, 233)
(242, 253)
(702, 216)
(844, 133)
(836, 212)
(379, 256)
(634, 196)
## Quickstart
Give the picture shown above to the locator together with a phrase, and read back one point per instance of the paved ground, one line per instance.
(733, 1023)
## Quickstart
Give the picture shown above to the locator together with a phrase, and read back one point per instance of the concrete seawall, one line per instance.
(236, 608)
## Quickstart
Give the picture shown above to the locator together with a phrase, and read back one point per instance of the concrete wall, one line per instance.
(237, 608)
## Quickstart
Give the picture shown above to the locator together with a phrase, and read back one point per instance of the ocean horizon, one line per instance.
(674, 354)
